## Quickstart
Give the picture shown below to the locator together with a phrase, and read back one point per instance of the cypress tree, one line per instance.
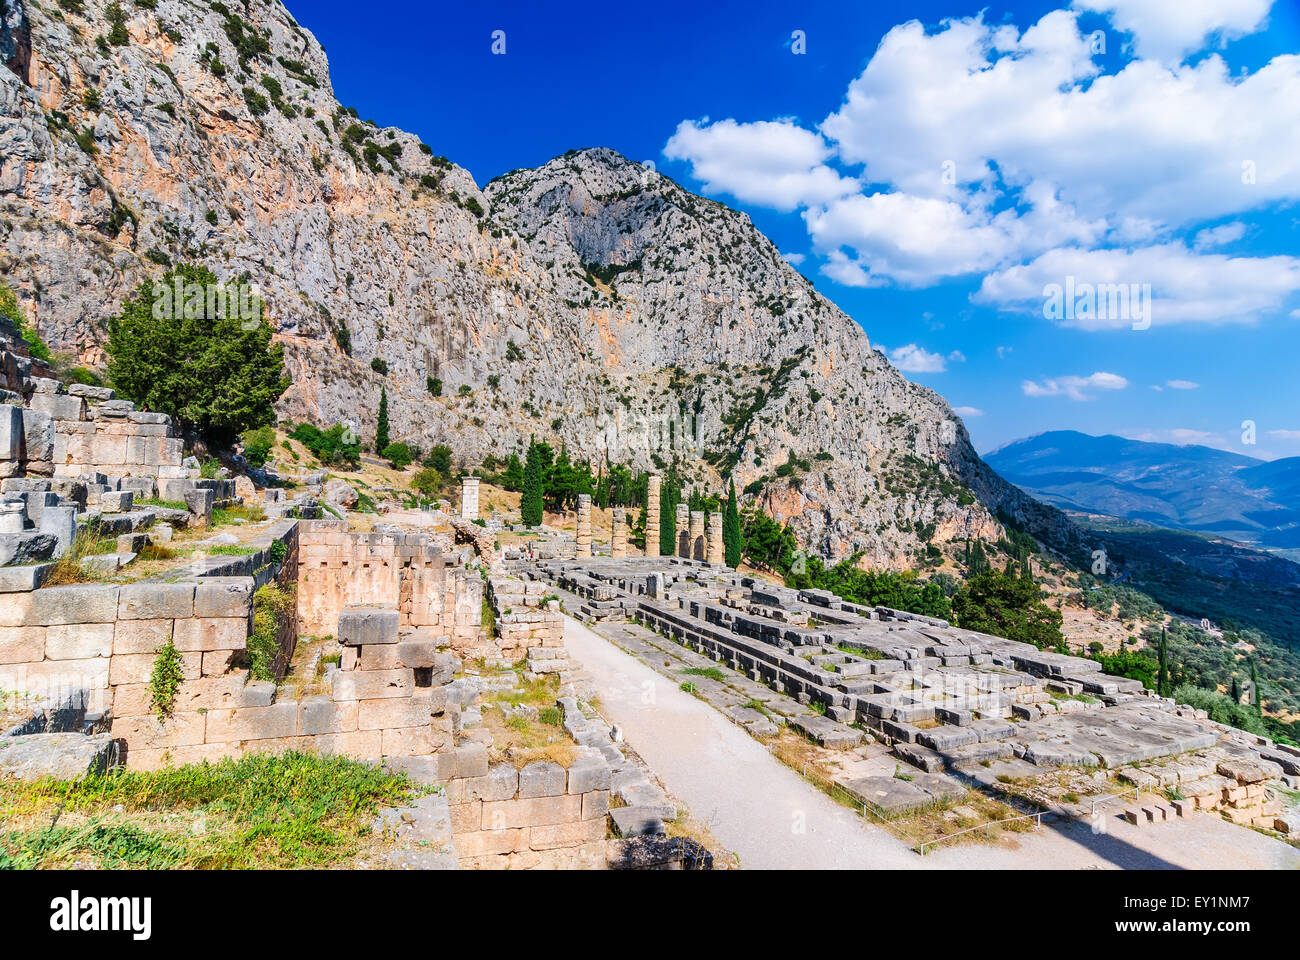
(1236, 689)
(381, 423)
(1162, 678)
(733, 535)
(531, 503)
(1255, 693)
(670, 494)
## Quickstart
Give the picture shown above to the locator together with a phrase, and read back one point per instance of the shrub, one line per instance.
(10, 310)
(379, 366)
(434, 386)
(165, 680)
(272, 606)
(258, 443)
(398, 455)
(427, 482)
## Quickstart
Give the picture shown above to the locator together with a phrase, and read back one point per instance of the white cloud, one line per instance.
(794, 259)
(1003, 351)
(1185, 286)
(773, 163)
(1290, 435)
(1076, 388)
(968, 411)
(914, 359)
(957, 357)
(1169, 29)
(987, 146)
(1219, 236)
(1182, 385)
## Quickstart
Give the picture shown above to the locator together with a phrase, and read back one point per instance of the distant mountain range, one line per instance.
(1189, 488)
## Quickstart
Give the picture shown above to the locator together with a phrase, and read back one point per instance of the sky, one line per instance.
(959, 178)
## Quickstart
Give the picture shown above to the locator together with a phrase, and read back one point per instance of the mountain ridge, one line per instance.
(590, 301)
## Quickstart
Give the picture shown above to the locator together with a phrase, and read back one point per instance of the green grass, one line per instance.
(713, 673)
(159, 502)
(231, 550)
(224, 515)
(282, 811)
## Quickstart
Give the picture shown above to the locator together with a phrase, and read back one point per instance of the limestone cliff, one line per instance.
(590, 301)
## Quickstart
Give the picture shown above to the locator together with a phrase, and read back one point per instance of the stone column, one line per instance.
(697, 536)
(652, 517)
(681, 523)
(584, 526)
(62, 523)
(13, 516)
(469, 498)
(618, 536)
(714, 552)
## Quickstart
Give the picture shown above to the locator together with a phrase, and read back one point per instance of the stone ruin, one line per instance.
(948, 704)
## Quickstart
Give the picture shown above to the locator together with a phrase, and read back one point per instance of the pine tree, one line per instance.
(733, 535)
(381, 423)
(534, 486)
(1162, 677)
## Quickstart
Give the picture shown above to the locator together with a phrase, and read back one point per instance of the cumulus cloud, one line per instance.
(1076, 388)
(1184, 286)
(1182, 385)
(968, 411)
(914, 359)
(987, 147)
(1290, 435)
(772, 163)
(1170, 29)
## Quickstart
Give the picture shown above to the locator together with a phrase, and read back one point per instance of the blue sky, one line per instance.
(934, 177)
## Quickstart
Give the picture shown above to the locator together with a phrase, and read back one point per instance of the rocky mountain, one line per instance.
(591, 301)
(1190, 487)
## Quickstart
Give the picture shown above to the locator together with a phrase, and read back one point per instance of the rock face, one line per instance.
(590, 301)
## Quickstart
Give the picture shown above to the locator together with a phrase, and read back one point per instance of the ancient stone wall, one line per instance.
(416, 574)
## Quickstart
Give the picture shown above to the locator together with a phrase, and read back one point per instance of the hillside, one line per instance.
(589, 302)
(1187, 487)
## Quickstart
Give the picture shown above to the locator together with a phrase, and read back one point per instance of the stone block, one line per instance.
(401, 711)
(217, 662)
(595, 805)
(22, 644)
(319, 715)
(80, 641)
(542, 779)
(373, 684)
(147, 732)
(253, 723)
(210, 633)
(360, 626)
(140, 636)
(470, 760)
(223, 597)
(138, 668)
(500, 783)
(77, 603)
(570, 834)
(532, 812)
(589, 773)
(13, 445)
(411, 741)
(155, 601)
(199, 504)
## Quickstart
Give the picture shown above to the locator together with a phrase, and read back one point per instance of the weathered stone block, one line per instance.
(359, 626)
(253, 723)
(138, 668)
(79, 641)
(589, 773)
(401, 711)
(411, 741)
(542, 779)
(147, 732)
(210, 633)
(226, 597)
(318, 715)
(155, 601)
(535, 811)
(470, 760)
(140, 636)
(373, 684)
(22, 644)
(77, 603)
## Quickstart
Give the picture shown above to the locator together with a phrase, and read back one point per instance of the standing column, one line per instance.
(695, 550)
(681, 525)
(618, 536)
(714, 552)
(652, 516)
(584, 526)
(469, 498)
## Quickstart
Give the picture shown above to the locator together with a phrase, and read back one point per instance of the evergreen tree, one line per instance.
(670, 494)
(211, 367)
(733, 535)
(536, 467)
(1162, 677)
(1236, 689)
(1255, 691)
(513, 477)
(381, 422)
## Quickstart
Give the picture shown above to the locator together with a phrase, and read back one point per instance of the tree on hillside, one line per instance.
(439, 458)
(213, 369)
(733, 535)
(512, 478)
(1162, 677)
(537, 467)
(382, 438)
(1007, 606)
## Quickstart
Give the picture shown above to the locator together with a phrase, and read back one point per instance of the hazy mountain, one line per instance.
(1191, 488)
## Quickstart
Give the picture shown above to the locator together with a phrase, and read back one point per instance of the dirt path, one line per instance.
(760, 809)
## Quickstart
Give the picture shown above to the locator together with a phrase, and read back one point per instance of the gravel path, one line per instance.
(758, 808)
